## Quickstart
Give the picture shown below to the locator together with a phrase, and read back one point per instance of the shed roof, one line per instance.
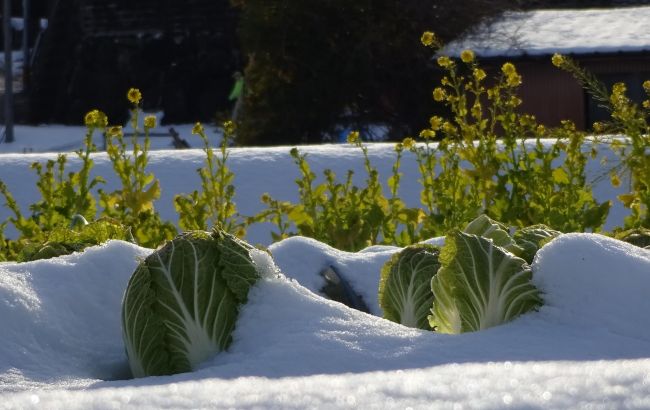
(543, 32)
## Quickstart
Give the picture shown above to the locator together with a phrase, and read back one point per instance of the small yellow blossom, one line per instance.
(448, 128)
(427, 134)
(353, 137)
(515, 101)
(646, 104)
(265, 198)
(619, 88)
(435, 122)
(438, 94)
(479, 74)
(444, 62)
(428, 38)
(513, 80)
(646, 86)
(197, 129)
(467, 56)
(616, 181)
(96, 119)
(229, 127)
(557, 60)
(115, 131)
(599, 127)
(89, 118)
(508, 69)
(150, 121)
(134, 96)
(408, 143)
(399, 147)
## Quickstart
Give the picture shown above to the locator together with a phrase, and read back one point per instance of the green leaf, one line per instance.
(405, 285)
(182, 302)
(532, 238)
(560, 176)
(479, 285)
(488, 228)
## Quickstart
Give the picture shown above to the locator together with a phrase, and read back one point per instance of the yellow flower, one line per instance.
(96, 119)
(229, 127)
(265, 198)
(150, 121)
(134, 96)
(646, 104)
(399, 147)
(479, 74)
(408, 143)
(557, 60)
(427, 134)
(444, 62)
(599, 127)
(435, 122)
(438, 94)
(619, 88)
(616, 181)
(646, 86)
(467, 56)
(513, 80)
(428, 38)
(353, 137)
(115, 131)
(514, 101)
(508, 69)
(197, 129)
(90, 118)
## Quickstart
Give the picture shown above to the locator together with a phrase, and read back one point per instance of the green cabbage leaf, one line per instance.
(479, 285)
(182, 302)
(405, 285)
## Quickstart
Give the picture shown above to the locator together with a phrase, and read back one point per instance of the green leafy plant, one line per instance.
(133, 204)
(630, 120)
(405, 285)
(182, 302)
(214, 205)
(338, 213)
(492, 159)
(66, 240)
(479, 285)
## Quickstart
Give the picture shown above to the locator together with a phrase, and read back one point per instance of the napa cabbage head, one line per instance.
(181, 303)
(405, 285)
(479, 285)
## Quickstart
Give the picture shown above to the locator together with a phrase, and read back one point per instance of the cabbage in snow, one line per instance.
(405, 285)
(182, 302)
(479, 285)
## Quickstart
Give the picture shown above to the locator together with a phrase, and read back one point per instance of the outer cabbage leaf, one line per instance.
(479, 285)
(181, 304)
(532, 238)
(405, 285)
(488, 228)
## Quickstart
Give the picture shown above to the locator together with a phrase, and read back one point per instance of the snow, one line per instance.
(544, 32)
(61, 345)
(586, 347)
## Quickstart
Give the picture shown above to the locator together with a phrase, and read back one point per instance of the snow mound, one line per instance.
(61, 317)
(591, 280)
(61, 344)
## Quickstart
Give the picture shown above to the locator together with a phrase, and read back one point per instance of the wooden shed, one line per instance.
(613, 44)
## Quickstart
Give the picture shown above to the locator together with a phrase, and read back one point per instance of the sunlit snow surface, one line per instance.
(568, 31)
(61, 345)
(589, 345)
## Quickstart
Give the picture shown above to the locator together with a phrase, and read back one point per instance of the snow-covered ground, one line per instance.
(61, 344)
